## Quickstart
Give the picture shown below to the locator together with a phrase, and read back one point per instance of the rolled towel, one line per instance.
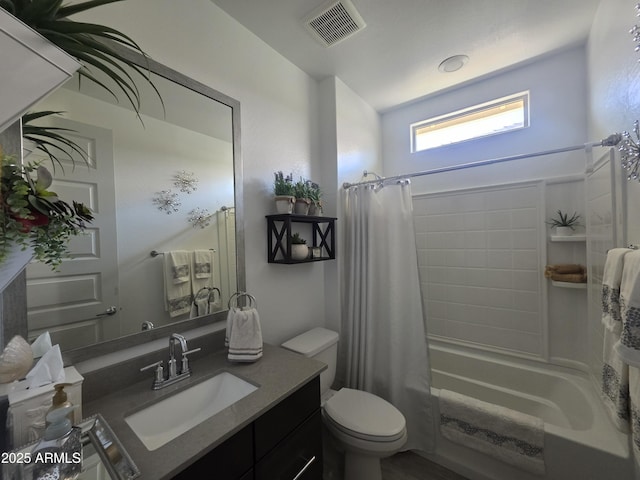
(563, 269)
(569, 277)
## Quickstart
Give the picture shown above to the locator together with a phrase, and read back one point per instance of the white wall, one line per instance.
(279, 132)
(557, 87)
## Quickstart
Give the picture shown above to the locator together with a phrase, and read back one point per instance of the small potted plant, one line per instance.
(315, 195)
(33, 216)
(284, 193)
(564, 224)
(302, 191)
(299, 249)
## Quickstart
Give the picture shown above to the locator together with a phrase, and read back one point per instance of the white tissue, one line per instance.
(49, 369)
(41, 345)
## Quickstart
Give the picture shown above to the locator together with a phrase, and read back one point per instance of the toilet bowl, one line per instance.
(364, 426)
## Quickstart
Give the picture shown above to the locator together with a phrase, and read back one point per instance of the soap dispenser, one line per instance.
(60, 400)
(59, 454)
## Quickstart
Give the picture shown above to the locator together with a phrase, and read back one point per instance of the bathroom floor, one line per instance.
(409, 466)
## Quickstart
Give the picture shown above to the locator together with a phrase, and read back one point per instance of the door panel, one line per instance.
(71, 302)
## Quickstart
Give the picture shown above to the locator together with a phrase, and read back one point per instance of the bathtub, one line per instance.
(580, 440)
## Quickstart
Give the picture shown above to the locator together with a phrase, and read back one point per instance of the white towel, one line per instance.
(634, 403)
(611, 279)
(512, 437)
(179, 262)
(202, 263)
(629, 345)
(243, 335)
(177, 293)
(615, 382)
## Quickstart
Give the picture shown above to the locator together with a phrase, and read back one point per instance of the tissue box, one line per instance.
(28, 407)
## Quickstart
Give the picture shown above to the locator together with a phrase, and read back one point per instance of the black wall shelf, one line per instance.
(279, 232)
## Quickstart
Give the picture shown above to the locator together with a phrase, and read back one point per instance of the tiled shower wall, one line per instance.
(601, 225)
(480, 253)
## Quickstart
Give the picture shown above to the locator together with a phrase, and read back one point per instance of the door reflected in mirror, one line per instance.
(163, 182)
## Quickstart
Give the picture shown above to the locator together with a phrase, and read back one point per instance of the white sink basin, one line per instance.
(167, 419)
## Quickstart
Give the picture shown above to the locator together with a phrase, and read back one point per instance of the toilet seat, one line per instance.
(365, 416)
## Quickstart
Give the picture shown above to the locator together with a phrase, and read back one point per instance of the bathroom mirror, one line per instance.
(169, 180)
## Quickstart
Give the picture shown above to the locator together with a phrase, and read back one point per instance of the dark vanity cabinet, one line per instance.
(284, 443)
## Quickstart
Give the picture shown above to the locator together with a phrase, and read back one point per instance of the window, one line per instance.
(498, 116)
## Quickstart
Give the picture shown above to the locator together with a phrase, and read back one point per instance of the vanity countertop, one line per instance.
(278, 374)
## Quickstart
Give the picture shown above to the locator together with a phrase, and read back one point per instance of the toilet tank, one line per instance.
(320, 344)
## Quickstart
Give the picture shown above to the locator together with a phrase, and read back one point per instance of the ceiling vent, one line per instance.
(334, 22)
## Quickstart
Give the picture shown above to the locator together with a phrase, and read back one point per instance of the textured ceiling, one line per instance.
(395, 59)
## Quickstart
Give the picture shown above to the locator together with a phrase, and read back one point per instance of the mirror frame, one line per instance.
(109, 346)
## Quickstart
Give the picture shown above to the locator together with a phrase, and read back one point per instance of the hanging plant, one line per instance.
(33, 216)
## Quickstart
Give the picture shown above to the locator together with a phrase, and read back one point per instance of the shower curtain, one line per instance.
(383, 324)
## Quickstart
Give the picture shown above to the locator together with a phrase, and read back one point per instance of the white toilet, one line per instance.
(365, 426)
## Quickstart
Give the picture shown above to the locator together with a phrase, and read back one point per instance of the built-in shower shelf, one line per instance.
(568, 238)
(579, 286)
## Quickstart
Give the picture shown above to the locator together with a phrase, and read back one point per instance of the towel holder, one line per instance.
(209, 291)
(252, 300)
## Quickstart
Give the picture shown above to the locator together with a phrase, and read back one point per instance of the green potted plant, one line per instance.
(315, 195)
(302, 191)
(33, 216)
(95, 46)
(564, 224)
(299, 249)
(284, 193)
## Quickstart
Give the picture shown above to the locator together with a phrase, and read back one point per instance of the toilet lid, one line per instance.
(365, 414)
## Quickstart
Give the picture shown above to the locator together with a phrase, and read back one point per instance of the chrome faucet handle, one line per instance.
(159, 372)
(185, 360)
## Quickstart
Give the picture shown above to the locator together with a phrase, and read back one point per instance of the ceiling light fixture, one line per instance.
(453, 64)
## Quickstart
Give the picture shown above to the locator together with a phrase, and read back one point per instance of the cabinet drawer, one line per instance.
(282, 419)
(229, 461)
(298, 457)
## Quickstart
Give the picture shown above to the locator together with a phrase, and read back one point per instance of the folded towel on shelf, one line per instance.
(177, 293)
(611, 278)
(629, 345)
(243, 335)
(512, 437)
(566, 273)
(202, 263)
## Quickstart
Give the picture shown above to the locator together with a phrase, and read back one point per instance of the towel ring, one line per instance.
(210, 295)
(252, 300)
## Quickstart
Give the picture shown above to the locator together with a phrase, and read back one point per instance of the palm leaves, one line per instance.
(98, 49)
(90, 43)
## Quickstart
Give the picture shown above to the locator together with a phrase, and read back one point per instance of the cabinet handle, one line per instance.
(306, 465)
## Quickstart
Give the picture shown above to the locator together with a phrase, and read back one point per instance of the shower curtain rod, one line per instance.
(611, 141)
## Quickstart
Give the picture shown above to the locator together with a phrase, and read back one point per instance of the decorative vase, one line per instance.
(284, 203)
(315, 210)
(302, 206)
(564, 231)
(299, 251)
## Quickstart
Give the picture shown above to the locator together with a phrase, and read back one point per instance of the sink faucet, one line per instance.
(173, 375)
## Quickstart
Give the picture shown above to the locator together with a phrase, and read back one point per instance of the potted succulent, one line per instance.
(315, 195)
(299, 249)
(564, 224)
(302, 192)
(33, 216)
(284, 193)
